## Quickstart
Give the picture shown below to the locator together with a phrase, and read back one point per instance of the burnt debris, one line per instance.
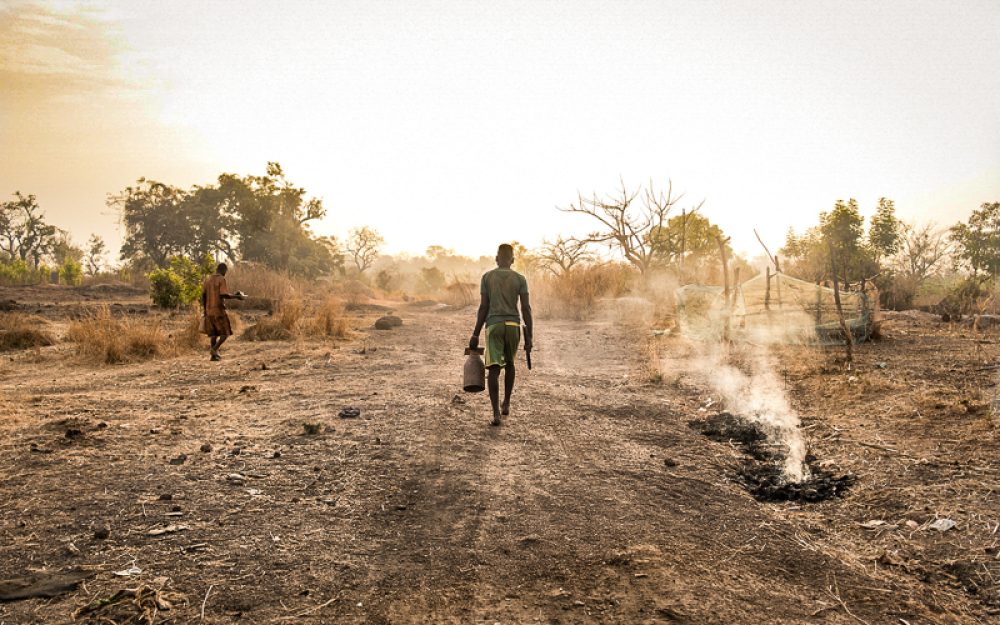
(760, 472)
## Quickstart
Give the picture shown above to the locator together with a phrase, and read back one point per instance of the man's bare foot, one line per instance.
(216, 356)
(496, 420)
(505, 408)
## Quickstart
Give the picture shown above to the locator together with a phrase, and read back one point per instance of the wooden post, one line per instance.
(725, 285)
(840, 311)
(777, 280)
(767, 289)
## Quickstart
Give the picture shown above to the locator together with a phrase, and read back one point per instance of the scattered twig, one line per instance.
(205, 600)
(836, 596)
(310, 610)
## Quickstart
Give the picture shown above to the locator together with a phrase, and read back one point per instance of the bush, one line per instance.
(102, 338)
(179, 283)
(71, 272)
(23, 332)
(19, 273)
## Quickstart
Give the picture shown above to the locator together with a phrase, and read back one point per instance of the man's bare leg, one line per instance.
(493, 384)
(508, 388)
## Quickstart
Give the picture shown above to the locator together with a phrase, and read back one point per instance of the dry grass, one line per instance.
(23, 332)
(460, 294)
(330, 320)
(101, 337)
(575, 294)
(265, 288)
(292, 320)
(190, 336)
(283, 324)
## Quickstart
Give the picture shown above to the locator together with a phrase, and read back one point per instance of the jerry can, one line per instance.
(474, 373)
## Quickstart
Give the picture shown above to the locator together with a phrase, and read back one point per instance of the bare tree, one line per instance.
(94, 256)
(922, 249)
(563, 254)
(363, 245)
(630, 227)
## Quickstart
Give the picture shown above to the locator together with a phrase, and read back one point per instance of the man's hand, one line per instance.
(527, 344)
(474, 342)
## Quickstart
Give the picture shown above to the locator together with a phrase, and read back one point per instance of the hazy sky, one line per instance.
(466, 123)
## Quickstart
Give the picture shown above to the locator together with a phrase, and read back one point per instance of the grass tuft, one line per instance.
(23, 332)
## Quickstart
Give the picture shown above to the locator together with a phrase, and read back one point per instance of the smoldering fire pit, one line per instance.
(761, 471)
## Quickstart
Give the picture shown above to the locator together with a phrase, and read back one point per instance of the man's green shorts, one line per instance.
(502, 340)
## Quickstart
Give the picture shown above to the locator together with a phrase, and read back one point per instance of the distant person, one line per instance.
(499, 291)
(213, 295)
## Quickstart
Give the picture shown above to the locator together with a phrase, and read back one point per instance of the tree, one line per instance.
(94, 257)
(363, 245)
(977, 243)
(884, 230)
(563, 254)
(841, 230)
(629, 225)
(922, 250)
(689, 244)
(156, 224)
(60, 248)
(24, 235)
(262, 219)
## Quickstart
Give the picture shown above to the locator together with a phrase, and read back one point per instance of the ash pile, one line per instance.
(762, 470)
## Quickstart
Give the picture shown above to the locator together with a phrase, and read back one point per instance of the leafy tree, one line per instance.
(260, 219)
(885, 231)
(977, 243)
(363, 245)
(156, 222)
(842, 228)
(60, 248)
(432, 278)
(387, 279)
(689, 245)
(94, 257)
(24, 235)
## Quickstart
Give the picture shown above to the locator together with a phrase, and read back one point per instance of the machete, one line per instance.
(527, 352)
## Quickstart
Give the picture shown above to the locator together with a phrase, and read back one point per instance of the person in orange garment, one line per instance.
(213, 295)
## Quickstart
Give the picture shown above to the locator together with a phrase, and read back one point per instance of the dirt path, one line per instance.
(594, 503)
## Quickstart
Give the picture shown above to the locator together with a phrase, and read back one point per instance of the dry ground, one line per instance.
(594, 503)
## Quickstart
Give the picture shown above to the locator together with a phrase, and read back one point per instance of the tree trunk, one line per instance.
(848, 344)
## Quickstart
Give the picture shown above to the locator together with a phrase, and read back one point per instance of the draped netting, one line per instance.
(775, 309)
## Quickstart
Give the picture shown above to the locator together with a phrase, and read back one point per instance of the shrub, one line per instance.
(102, 338)
(179, 283)
(23, 332)
(20, 273)
(70, 272)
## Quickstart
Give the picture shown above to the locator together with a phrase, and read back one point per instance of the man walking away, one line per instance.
(499, 292)
(213, 295)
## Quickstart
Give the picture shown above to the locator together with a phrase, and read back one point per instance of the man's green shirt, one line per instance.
(503, 287)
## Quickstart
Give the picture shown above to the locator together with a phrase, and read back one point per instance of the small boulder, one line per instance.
(388, 322)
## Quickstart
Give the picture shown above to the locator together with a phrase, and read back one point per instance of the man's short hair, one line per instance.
(222, 268)
(505, 250)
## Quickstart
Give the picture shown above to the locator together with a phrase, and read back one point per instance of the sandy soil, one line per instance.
(594, 503)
